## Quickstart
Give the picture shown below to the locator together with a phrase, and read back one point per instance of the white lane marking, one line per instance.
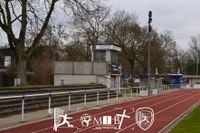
(160, 111)
(156, 98)
(37, 131)
(133, 112)
(193, 106)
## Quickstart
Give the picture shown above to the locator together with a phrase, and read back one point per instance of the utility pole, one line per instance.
(149, 49)
(197, 68)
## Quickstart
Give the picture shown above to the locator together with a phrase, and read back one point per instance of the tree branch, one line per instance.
(8, 27)
(23, 23)
(41, 33)
(7, 31)
(3, 14)
(8, 15)
(16, 17)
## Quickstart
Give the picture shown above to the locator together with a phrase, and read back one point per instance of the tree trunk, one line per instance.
(132, 71)
(21, 70)
(132, 63)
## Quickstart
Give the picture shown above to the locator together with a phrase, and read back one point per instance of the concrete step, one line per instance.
(46, 89)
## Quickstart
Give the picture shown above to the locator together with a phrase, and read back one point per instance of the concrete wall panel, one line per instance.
(63, 67)
(78, 68)
(78, 79)
(82, 68)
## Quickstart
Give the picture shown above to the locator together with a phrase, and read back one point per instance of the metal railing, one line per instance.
(125, 93)
(69, 94)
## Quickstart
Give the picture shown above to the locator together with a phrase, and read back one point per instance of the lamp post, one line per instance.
(197, 68)
(149, 50)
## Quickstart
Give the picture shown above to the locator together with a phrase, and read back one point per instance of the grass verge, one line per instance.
(190, 124)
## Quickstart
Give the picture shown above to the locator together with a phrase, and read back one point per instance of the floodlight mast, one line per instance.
(149, 49)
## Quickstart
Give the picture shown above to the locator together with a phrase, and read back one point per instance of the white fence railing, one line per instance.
(125, 93)
(69, 94)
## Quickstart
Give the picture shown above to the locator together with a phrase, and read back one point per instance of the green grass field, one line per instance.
(190, 124)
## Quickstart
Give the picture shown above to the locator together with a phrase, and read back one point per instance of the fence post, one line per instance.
(85, 99)
(97, 97)
(131, 92)
(69, 101)
(23, 102)
(136, 92)
(49, 104)
(117, 94)
(108, 95)
(125, 93)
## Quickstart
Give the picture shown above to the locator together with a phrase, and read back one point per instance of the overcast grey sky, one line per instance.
(182, 17)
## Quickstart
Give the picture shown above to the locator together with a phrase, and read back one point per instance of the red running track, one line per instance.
(167, 109)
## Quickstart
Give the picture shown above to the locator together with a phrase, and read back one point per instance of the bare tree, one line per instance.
(181, 59)
(17, 17)
(124, 30)
(195, 50)
(169, 48)
(75, 52)
(90, 27)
